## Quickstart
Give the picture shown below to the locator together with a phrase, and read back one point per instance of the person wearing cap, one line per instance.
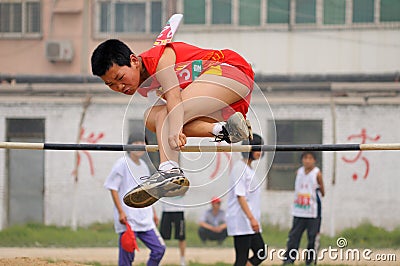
(244, 209)
(212, 225)
(124, 176)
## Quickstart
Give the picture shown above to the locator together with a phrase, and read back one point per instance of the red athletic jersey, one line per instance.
(226, 61)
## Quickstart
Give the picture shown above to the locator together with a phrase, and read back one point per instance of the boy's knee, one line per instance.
(148, 121)
(154, 115)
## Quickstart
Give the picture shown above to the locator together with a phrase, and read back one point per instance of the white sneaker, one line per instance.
(235, 130)
(169, 183)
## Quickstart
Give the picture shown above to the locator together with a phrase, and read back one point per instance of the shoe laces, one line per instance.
(222, 136)
(161, 173)
(144, 177)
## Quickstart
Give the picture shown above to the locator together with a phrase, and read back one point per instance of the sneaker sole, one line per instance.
(147, 195)
(176, 188)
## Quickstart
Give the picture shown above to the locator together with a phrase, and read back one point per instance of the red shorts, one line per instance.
(233, 73)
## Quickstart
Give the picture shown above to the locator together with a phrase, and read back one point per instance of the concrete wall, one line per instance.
(347, 203)
(329, 51)
(61, 21)
(308, 51)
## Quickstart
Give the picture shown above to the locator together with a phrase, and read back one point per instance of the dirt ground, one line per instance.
(108, 256)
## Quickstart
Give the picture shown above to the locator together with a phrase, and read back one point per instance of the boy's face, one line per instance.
(216, 205)
(123, 79)
(308, 161)
(257, 155)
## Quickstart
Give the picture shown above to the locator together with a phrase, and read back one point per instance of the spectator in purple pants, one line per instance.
(124, 176)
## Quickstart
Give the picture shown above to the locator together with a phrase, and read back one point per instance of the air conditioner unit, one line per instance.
(59, 51)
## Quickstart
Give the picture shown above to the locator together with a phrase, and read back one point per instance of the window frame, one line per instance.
(266, 9)
(147, 34)
(379, 15)
(294, 165)
(333, 22)
(24, 34)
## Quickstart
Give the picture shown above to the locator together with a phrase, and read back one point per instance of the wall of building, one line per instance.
(348, 202)
(372, 49)
(69, 21)
(308, 51)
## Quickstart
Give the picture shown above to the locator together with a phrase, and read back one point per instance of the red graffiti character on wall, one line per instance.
(91, 138)
(364, 137)
(218, 163)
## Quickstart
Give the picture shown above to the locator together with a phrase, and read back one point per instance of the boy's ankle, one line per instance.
(168, 165)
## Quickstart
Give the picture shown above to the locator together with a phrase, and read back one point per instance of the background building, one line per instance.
(328, 72)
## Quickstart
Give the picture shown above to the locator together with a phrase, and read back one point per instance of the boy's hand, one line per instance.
(177, 141)
(122, 218)
(254, 225)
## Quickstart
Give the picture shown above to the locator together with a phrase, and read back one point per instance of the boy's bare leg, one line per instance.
(162, 130)
(201, 127)
(208, 95)
(202, 101)
(182, 247)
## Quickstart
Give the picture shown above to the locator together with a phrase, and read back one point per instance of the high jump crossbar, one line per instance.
(194, 148)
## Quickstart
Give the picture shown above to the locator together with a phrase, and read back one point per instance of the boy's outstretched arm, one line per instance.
(166, 76)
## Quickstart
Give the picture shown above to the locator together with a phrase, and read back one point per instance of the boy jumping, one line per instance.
(199, 89)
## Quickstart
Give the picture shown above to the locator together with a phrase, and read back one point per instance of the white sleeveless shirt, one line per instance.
(305, 198)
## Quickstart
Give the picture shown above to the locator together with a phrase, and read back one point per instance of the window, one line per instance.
(278, 11)
(390, 10)
(25, 128)
(305, 11)
(334, 11)
(221, 12)
(194, 12)
(129, 16)
(20, 18)
(363, 11)
(249, 12)
(283, 170)
(25, 171)
(156, 15)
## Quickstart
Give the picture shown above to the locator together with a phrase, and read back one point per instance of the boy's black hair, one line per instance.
(257, 140)
(136, 137)
(309, 153)
(110, 52)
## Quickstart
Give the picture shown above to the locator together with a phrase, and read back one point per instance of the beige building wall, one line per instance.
(70, 21)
